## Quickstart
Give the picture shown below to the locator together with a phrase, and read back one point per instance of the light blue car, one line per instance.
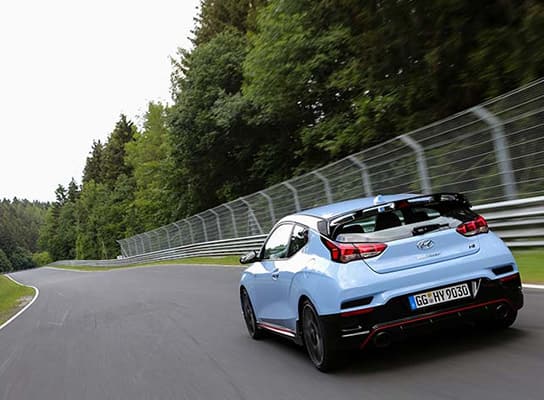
(373, 270)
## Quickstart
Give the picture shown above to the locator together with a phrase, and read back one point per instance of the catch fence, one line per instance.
(492, 152)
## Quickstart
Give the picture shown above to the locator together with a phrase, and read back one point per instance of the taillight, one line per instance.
(474, 227)
(346, 252)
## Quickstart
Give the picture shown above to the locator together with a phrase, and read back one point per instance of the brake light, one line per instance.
(346, 252)
(474, 227)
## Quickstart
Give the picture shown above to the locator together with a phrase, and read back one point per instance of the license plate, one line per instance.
(439, 296)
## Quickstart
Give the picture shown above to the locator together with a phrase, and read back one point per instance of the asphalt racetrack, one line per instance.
(176, 332)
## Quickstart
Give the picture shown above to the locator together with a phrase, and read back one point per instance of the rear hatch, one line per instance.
(418, 231)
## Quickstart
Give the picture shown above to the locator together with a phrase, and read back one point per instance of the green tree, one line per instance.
(103, 217)
(42, 258)
(58, 233)
(149, 157)
(302, 71)
(20, 223)
(73, 191)
(5, 263)
(90, 210)
(275, 88)
(94, 166)
(217, 16)
(344, 74)
(21, 258)
(213, 143)
(113, 164)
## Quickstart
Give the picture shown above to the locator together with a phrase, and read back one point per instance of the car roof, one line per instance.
(343, 207)
(310, 217)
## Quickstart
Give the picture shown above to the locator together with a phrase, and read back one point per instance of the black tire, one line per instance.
(506, 320)
(249, 316)
(317, 342)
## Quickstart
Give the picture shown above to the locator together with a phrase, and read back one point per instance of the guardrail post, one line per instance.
(234, 227)
(295, 194)
(138, 242)
(251, 216)
(153, 236)
(501, 150)
(364, 174)
(204, 229)
(220, 234)
(421, 162)
(150, 246)
(326, 185)
(142, 244)
(176, 224)
(167, 236)
(134, 246)
(131, 247)
(122, 246)
(160, 239)
(191, 234)
(270, 206)
(127, 252)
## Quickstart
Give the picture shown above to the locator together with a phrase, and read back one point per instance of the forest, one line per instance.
(20, 223)
(272, 89)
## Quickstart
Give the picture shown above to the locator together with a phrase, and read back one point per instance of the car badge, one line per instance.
(425, 244)
(476, 287)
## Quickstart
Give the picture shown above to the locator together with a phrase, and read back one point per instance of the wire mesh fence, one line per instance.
(491, 152)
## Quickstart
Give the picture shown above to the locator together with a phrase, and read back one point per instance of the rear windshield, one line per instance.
(406, 221)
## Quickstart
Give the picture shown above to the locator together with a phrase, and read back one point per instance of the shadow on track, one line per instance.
(427, 348)
(412, 351)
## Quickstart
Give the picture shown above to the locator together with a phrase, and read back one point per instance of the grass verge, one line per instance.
(13, 297)
(530, 263)
(224, 260)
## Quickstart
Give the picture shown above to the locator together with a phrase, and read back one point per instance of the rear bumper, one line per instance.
(396, 319)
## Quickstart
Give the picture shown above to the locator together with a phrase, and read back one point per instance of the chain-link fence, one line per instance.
(491, 152)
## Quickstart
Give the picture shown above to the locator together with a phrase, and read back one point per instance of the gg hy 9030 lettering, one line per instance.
(370, 271)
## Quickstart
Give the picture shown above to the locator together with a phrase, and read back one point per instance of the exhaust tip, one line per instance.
(382, 339)
(502, 312)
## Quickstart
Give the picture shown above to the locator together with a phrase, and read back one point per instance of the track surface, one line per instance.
(175, 332)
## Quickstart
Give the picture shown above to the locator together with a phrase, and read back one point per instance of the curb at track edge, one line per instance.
(532, 286)
(36, 294)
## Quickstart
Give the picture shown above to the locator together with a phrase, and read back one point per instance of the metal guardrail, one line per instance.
(492, 152)
(520, 223)
(237, 246)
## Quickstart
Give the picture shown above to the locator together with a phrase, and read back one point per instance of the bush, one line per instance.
(42, 258)
(5, 264)
(21, 259)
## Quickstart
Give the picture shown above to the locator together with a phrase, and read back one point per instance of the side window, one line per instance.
(277, 244)
(299, 238)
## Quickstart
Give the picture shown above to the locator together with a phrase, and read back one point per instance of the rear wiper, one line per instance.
(420, 230)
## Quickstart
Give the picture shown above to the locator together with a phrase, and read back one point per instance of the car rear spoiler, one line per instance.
(326, 227)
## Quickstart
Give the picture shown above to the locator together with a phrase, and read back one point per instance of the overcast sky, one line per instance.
(68, 69)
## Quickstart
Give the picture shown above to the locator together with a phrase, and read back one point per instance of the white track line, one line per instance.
(65, 269)
(37, 293)
(531, 286)
(109, 268)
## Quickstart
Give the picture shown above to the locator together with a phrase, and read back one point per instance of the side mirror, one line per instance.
(250, 257)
